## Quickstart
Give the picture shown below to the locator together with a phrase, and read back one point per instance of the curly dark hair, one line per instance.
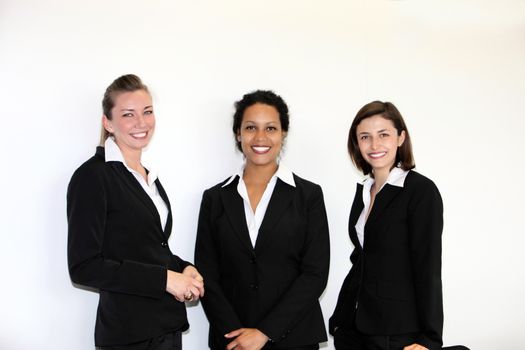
(266, 97)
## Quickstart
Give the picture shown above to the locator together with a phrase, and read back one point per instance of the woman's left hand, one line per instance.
(246, 339)
(415, 346)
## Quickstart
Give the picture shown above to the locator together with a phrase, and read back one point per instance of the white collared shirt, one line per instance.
(396, 177)
(254, 220)
(113, 154)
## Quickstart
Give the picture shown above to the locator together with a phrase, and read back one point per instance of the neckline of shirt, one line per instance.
(396, 177)
(113, 153)
(282, 173)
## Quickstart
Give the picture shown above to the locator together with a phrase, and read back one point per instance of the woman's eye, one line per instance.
(250, 127)
(148, 112)
(384, 135)
(271, 128)
(127, 115)
(364, 137)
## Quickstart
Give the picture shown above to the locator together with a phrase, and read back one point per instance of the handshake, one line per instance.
(185, 286)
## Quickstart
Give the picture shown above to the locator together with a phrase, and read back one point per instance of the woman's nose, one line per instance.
(374, 143)
(261, 134)
(141, 120)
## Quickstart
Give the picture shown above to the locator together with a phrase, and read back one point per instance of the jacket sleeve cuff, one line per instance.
(429, 343)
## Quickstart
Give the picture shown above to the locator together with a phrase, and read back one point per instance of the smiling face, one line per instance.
(132, 121)
(378, 141)
(261, 135)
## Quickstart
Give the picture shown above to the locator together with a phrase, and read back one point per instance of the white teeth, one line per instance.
(139, 135)
(377, 155)
(260, 149)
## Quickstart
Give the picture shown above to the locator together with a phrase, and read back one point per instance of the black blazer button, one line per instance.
(254, 286)
(164, 244)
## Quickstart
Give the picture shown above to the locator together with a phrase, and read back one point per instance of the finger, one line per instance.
(199, 291)
(231, 345)
(234, 333)
(194, 297)
(195, 291)
(197, 283)
(195, 274)
(188, 296)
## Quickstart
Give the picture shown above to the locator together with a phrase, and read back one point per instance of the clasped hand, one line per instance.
(246, 339)
(185, 286)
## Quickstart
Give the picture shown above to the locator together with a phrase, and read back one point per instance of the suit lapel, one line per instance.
(355, 212)
(164, 196)
(234, 208)
(281, 198)
(383, 199)
(134, 186)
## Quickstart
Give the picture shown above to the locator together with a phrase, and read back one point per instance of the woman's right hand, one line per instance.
(183, 287)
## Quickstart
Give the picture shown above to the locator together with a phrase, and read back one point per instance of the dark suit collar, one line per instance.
(164, 196)
(281, 198)
(382, 201)
(283, 173)
(355, 212)
(393, 185)
(234, 208)
(135, 187)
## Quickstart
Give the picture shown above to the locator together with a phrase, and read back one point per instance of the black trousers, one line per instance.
(170, 341)
(352, 339)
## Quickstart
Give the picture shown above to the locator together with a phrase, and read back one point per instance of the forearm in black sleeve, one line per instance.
(86, 214)
(218, 309)
(426, 226)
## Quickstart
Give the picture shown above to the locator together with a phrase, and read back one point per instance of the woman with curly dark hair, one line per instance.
(262, 242)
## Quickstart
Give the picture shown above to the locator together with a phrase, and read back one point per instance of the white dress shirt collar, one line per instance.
(396, 177)
(255, 218)
(282, 173)
(113, 154)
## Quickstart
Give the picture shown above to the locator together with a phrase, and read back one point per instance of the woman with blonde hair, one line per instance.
(119, 222)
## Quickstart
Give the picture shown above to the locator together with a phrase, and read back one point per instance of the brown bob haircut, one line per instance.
(387, 110)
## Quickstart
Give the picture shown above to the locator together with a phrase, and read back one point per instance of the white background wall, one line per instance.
(455, 69)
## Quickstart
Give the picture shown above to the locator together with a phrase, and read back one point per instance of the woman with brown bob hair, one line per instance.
(392, 296)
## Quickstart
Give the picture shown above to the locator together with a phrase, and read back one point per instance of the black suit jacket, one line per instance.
(276, 286)
(394, 285)
(116, 244)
